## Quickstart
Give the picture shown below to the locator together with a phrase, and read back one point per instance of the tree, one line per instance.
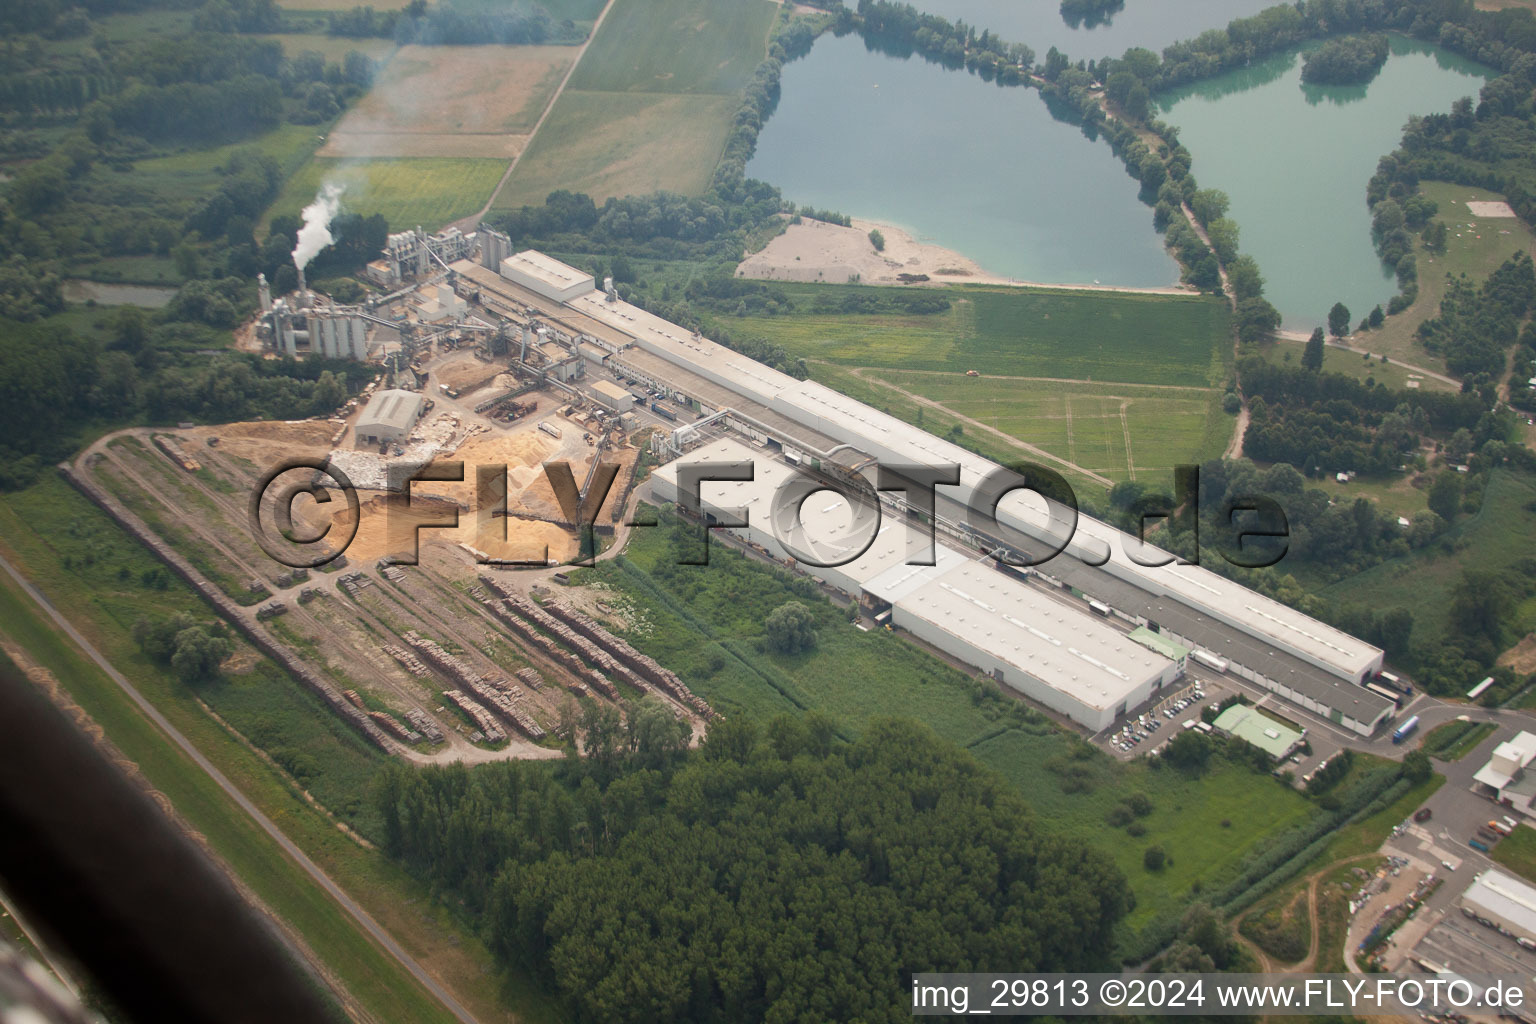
(1247, 282)
(877, 240)
(790, 628)
(1312, 355)
(1154, 858)
(1416, 766)
(1190, 750)
(1223, 235)
(1209, 204)
(1257, 320)
(1445, 496)
(1377, 316)
(1138, 104)
(199, 652)
(1338, 320)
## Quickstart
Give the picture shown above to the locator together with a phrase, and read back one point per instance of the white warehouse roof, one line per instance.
(994, 613)
(831, 413)
(549, 277)
(1014, 621)
(1505, 898)
(394, 409)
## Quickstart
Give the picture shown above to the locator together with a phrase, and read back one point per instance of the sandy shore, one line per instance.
(815, 251)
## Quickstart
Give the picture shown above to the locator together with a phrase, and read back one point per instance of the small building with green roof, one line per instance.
(1253, 727)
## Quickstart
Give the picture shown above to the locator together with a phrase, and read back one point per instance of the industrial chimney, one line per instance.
(264, 292)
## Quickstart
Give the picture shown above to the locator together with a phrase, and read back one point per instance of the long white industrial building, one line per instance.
(1308, 661)
(1056, 654)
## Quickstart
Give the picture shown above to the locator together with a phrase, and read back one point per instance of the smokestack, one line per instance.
(303, 286)
(264, 292)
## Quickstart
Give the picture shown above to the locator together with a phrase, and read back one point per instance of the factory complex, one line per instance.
(1091, 633)
(777, 422)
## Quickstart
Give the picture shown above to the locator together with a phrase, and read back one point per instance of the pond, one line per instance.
(972, 166)
(1295, 160)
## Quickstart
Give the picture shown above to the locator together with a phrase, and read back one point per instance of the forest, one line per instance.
(1349, 60)
(774, 873)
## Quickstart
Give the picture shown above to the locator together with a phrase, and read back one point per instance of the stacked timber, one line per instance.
(530, 678)
(506, 698)
(642, 666)
(481, 717)
(352, 696)
(395, 728)
(423, 723)
(227, 608)
(408, 661)
(560, 655)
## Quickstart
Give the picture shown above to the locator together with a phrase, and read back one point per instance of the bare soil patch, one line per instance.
(455, 101)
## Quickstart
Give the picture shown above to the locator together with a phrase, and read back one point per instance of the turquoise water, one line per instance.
(1295, 160)
(958, 162)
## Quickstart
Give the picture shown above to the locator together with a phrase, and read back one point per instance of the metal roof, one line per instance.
(1203, 594)
(394, 408)
(1017, 623)
(1508, 898)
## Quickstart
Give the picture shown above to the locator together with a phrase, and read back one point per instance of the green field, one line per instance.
(86, 565)
(1488, 540)
(1018, 332)
(1476, 252)
(1518, 852)
(1148, 378)
(1086, 424)
(704, 623)
(650, 104)
(685, 46)
(615, 144)
(418, 191)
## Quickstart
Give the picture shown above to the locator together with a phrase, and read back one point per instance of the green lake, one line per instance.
(959, 162)
(987, 171)
(1295, 160)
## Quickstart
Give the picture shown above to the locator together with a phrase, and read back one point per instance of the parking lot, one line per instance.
(1149, 730)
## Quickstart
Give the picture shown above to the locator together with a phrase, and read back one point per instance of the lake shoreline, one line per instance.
(818, 252)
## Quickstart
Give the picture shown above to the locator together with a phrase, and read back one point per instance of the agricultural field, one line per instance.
(1018, 332)
(706, 621)
(1487, 540)
(612, 144)
(683, 46)
(1117, 433)
(651, 102)
(1037, 382)
(411, 191)
(1475, 246)
(452, 101)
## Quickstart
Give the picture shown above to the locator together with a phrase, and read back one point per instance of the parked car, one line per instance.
(1422, 814)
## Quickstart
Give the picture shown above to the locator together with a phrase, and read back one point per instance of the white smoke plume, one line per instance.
(316, 232)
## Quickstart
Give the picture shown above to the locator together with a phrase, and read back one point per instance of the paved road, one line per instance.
(358, 914)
